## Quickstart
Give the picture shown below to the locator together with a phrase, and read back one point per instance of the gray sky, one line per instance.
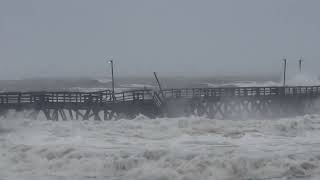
(173, 37)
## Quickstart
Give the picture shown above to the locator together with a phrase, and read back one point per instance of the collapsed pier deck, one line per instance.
(222, 103)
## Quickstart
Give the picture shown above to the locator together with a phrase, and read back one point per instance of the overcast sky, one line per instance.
(174, 37)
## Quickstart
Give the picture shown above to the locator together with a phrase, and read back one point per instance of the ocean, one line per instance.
(161, 149)
(184, 148)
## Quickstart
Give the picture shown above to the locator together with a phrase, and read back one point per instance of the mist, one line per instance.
(175, 38)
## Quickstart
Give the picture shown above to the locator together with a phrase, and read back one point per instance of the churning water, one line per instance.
(186, 148)
(161, 149)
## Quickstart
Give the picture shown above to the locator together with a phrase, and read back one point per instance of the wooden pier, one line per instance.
(220, 103)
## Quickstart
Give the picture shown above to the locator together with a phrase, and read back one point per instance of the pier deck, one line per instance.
(226, 102)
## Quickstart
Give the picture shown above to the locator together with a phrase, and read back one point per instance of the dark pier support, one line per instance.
(217, 103)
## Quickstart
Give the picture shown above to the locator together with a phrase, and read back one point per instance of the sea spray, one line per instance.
(164, 148)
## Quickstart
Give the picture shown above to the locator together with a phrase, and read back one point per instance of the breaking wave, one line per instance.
(161, 149)
(300, 79)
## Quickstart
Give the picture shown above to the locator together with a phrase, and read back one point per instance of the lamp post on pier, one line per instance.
(300, 65)
(111, 62)
(284, 71)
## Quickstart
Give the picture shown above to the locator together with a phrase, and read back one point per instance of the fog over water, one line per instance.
(177, 38)
(126, 83)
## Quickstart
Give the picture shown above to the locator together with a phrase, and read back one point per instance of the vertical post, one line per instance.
(155, 75)
(300, 65)
(284, 71)
(159, 84)
(19, 98)
(111, 62)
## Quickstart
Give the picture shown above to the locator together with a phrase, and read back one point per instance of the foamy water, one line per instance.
(161, 149)
(300, 79)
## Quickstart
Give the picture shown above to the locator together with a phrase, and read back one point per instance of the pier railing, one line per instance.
(102, 97)
(107, 97)
(214, 102)
(242, 92)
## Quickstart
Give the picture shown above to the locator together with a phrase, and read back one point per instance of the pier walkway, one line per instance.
(222, 103)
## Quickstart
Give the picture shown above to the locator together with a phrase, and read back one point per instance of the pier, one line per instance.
(218, 103)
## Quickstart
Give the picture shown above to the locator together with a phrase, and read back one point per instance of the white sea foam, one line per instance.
(95, 89)
(104, 80)
(303, 79)
(161, 149)
(300, 79)
(137, 85)
(246, 84)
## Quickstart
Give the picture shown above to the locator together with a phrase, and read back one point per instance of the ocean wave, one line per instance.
(161, 149)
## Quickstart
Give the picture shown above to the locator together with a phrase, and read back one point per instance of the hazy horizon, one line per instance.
(175, 38)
